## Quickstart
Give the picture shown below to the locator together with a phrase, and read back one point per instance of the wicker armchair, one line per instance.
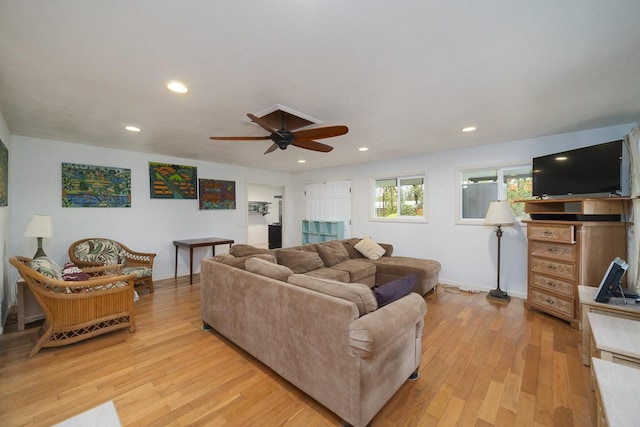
(98, 251)
(77, 310)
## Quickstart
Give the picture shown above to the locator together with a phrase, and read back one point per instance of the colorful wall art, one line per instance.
(172, 181)
(90, 186)
(217, 194)
(4, 174)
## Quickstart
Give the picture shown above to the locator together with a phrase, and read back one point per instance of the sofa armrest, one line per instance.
(388, 249)
(374, 331)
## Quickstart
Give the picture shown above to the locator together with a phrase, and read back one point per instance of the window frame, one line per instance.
(424, 218)
(500, 168)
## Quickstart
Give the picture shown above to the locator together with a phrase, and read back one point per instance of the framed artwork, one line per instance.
(4, 174)
(89, 186)
(217, 194)
(172, 181)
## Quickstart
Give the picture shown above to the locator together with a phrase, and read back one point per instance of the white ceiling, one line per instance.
(404, 76)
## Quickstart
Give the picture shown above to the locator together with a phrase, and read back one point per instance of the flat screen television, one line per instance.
(611, 280)
(598, 170)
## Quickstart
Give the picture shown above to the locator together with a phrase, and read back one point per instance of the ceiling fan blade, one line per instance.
(312, 145)
(319, 133)
(262, 124)
(239, 138)
(273, 147)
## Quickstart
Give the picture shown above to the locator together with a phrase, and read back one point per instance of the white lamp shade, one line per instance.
(40, 226)
(499, 213)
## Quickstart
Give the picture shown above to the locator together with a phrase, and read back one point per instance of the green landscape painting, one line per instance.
(172, 181)
(217, 194)
(90, 186)
(4, 174)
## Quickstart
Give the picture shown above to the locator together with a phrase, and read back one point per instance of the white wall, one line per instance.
(5, 236)
(467, 252)
(150, 225)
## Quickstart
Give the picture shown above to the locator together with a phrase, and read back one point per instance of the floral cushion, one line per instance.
(71, 273)
(140, 272)
(100, 251)
(47, 267)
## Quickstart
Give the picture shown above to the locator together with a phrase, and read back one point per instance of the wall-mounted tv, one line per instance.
(596, 171)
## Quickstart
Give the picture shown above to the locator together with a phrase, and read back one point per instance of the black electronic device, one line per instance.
(597, 170)
(611, 280)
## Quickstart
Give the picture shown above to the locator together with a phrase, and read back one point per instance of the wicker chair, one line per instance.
(98, 251)
(78, 310)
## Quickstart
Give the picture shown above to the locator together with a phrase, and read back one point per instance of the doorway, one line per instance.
(265, 215)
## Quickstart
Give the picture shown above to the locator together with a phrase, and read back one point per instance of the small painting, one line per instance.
(172, 181)
(88, 186)
(4, 174)
(217, 194)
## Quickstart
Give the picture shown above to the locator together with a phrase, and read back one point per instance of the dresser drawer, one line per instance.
(551, 284)
(558, 268)
(551, 233)
(558, 251)
(561, 306)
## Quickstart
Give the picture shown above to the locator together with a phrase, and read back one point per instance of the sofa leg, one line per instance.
(206, 327)
(414, 376)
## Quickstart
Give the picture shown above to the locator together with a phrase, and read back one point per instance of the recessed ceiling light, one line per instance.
(132, 128)
(469, 129)
(561, 158)
(363, 149)
(302, 161)
(177, 87)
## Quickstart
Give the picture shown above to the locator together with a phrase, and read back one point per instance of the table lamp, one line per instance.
(500, 214)
(39, 227)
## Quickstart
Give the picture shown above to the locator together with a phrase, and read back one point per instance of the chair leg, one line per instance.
(45, 333)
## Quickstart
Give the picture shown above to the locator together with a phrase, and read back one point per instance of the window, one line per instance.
(478, 187)
(400, 198)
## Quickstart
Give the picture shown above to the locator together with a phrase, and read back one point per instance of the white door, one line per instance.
(330, 201)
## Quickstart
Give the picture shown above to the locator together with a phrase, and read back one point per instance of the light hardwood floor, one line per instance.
(482, 365)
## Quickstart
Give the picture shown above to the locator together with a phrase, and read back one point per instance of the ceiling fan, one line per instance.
(282, 138)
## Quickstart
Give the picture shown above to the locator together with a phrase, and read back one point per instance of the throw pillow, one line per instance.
(300, 261)
(268, 269)
(357, 293)
(395, 290)
(47, 267)
(332, 252)
(369, 248)
(72, 273)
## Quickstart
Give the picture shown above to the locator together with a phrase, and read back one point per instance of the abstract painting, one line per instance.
(217, 194)
(172, 181)
(89, 186)
(4, 174)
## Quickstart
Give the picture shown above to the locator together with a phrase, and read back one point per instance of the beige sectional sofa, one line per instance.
(327, 337)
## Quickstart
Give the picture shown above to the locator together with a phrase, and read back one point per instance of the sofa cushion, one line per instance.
(329, 273)
(357, 293)
(300, 261)
(239, 262)
(369, 248)
(395, 290)
(240, 250)
(332, 252)
(268, 269)
(99, 251)
(358, 269)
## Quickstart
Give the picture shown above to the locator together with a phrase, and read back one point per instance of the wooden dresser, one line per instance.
(571, 242)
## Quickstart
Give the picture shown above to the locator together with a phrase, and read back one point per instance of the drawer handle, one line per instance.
(551, 267)
(552, 250)
(553, 285)
(550, 301)
(547, 233)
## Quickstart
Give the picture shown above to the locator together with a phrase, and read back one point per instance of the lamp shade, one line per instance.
(40, 226)
(499, 213)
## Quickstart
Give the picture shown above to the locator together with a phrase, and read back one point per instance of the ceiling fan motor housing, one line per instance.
(283, 138)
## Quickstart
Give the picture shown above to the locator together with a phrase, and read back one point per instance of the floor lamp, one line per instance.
(500, 215)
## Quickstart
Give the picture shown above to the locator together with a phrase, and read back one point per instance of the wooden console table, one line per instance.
(615, 307)
(196, 243)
